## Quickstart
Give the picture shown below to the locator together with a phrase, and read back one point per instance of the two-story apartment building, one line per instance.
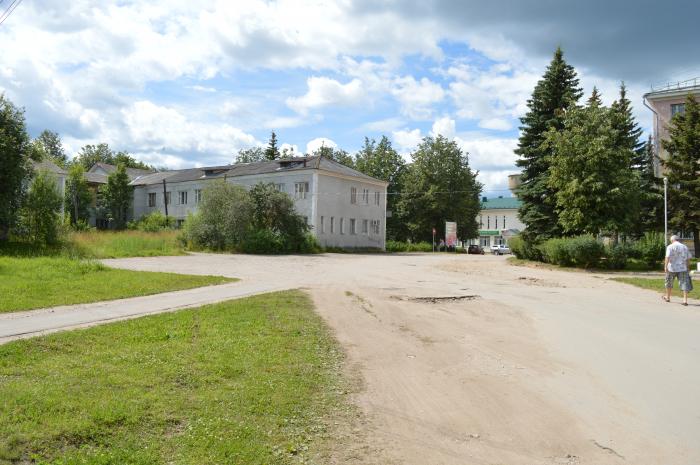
(498, 220)
(344, 207)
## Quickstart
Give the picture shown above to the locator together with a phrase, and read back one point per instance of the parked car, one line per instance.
(475, 250)
(500, 249)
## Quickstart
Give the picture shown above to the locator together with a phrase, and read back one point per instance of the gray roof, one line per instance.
(249, 169)
(99, 178)
(48, 165)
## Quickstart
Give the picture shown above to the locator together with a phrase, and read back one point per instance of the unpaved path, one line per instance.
(467, 360)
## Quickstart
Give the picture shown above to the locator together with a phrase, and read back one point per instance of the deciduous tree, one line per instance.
(116, 197)
(41, 210)
(51, 142)
(78, 196)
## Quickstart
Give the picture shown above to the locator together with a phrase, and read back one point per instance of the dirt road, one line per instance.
(468, 360)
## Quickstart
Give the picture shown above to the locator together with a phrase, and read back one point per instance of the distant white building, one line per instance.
(344, 207)
(498, 221)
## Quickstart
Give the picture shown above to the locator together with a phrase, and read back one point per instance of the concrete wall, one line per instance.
(334, 202)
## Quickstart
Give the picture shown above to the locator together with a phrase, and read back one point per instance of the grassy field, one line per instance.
(242, 382)
(36, 282)
(657, 284)
(119, 244)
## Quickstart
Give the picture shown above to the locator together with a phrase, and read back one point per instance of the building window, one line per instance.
(504, 221)
(677, 108)
(179, 222)
(365, 226)
(481, 222)
(279, 187)
(353, 227)
(353, 195)
(377, 196)
(375, 227)
(332, 224)
(342, 226)
(306, 220)
(365, 196)
(301, 189)
(488, 222)
(182, 197)
(495, 217)
(167, 198)
(197, 195)
(152, 199)
(323, 226)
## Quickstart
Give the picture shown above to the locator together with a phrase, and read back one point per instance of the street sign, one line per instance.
(450, 234)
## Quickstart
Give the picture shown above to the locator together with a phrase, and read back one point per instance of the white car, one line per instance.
(500, 249)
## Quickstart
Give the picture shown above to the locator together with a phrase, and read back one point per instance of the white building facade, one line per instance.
(344, 207)
(498, 221)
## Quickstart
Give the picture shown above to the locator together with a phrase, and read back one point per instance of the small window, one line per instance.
(353, 195)
(504, 221)
(496, 219)
(365, 196)
(301, 189)
(365, 226)
(353, 228)
(677, 108)
(377, 196)
(179, 223)
(182, 197)
(167, 198)
(481, 222)
(152, 199)
(279, 187)
(306, 220)
(332, 224)
(323, 226)
(375, 227)
(342, 226)
(197, 195)
(488, 222)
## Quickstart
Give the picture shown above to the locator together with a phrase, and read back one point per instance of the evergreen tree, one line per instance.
(14, 167)
(78, 196)
(381, 161)
(553, 95)
(629, 131)
(595, 99)
(651, 197)
(272, 152)
(439, 186)
(683, 166)
(116, 197)
(595, 189)
(53, 147)
(41, 210)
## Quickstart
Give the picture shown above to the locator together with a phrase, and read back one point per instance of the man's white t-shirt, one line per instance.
(677, 255)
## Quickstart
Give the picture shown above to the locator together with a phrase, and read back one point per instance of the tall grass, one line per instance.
(119, 244)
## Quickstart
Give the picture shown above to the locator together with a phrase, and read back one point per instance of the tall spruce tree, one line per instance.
(683, 166)
(651, 198)
(272, 152)
(553, 95)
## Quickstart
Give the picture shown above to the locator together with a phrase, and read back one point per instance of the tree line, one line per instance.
(585, 169)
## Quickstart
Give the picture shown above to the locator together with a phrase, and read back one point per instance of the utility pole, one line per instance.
(665, 210)
(165, 198)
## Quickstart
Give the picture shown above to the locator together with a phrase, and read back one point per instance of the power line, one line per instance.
(10, 9)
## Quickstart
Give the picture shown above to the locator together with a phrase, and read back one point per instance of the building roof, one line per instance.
(501, 203)
(92, 175)
(678, 89)
(250, 169)
(48, 165)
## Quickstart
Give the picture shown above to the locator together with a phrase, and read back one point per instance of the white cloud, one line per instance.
(324, 91)
(316, 144)
(445, 127)
(493, 158)
(406, 140)
(417, 98)
(384, 125)
(291, 149)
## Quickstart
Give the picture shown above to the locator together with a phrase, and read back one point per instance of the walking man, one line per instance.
(676, 265)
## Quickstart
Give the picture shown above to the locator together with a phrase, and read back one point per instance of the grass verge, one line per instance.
(29, 283)
(246, 381)
(656, 284)
(121, 244)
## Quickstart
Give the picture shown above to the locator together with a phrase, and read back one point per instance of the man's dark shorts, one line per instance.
(683, 277)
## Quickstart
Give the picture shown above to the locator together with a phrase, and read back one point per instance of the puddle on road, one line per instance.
(436, 299)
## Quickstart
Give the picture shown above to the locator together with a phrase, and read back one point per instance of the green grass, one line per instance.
(657, 284)
(119, 244)
(242, 382)
(36, 282)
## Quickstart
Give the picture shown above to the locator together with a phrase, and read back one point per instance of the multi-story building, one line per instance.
(344, 207)
(665, 102)
(498, 221)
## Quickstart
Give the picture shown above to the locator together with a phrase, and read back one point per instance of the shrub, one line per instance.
(525, 250)
(585, 251)
(263, 241)
(398, 246)
(616, 256)
(40, 214)
(556, 251)
(153, 222)
(651, 248)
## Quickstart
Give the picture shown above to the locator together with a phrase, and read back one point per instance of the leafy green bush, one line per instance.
(398, 246)
(585, 251)
(556, 251)
(651, 248)
(40, 217)
(263, 241)
(153, 222)
(616, 256)
(525, 250)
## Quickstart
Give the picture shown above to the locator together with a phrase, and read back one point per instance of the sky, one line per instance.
(180, 83)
